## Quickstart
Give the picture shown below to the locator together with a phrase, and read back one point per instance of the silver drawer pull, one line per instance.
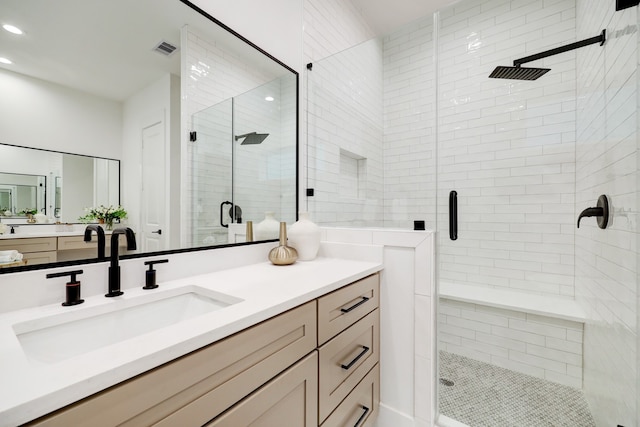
(356, 305)
(362, 353)
(362, 417)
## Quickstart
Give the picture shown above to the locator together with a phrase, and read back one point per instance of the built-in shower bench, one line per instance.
(534, 334)
(557, 307)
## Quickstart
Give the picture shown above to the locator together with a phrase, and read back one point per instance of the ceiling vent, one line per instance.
(165, 48)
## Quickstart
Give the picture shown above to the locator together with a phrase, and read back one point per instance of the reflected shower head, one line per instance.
(252, 138)
(518, 73)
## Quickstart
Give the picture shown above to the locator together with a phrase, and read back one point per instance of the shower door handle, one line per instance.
(222, 212)
(453, 215)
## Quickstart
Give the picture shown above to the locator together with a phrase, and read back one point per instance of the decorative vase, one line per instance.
(304, 235)
(30, 219)
(283, 254)
(249, 232)
(266, 229)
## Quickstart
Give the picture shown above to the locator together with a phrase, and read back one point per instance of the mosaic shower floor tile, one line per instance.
(484, 395)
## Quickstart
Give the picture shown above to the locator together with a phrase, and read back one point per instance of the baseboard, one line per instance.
(389, 417)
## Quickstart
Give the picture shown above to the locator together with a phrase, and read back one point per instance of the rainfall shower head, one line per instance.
(252, 138)
(523, 73)
(518, 73)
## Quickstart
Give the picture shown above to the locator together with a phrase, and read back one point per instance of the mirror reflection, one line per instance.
(126, 104)
(90, 181)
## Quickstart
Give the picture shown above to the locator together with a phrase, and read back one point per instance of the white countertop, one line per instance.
(30, 389)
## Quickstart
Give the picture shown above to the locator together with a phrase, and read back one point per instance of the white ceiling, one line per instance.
(384, 16)
(111, 41)
(104, 47)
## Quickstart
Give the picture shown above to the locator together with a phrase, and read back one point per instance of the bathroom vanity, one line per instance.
(296, 346)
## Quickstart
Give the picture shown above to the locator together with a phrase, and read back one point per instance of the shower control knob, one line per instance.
(601, 211)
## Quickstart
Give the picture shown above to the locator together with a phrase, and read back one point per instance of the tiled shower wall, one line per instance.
(507, 147)
(344, 115)
(606, 163)
(209, 159)
(409, 131)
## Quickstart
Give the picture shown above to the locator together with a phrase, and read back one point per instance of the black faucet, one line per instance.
(101, 240)
(601, 211)
(114, 269)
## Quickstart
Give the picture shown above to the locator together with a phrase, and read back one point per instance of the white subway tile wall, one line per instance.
(606, 163)
(268, 167)
(409, 122)
(541, 346)
(345, 122)
(507, 147)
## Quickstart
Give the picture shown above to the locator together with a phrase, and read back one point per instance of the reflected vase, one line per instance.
(266, 229)
(304, 236)
(108, 223)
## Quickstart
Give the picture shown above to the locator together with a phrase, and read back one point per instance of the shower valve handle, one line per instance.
(601, 211)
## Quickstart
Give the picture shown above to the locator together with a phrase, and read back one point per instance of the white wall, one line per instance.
(39, 114)
(507, 147)
(409, 126)
(607, 163)
(150, 105)
(77, 186)
(274, 26)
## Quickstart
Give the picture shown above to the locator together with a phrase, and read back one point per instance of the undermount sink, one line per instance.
(58, 337)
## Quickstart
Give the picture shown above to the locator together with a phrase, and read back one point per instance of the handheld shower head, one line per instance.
(252, 138)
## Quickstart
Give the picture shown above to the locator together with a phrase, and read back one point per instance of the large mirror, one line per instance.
(152, 105)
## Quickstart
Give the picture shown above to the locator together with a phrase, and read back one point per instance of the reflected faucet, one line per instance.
(114, 268)
(101, 240)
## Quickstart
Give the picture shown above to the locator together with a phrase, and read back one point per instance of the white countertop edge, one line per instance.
(46, 388)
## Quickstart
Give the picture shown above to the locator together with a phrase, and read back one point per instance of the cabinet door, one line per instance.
(288, 400)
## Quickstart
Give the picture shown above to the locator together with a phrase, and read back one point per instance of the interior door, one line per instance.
(152, 236)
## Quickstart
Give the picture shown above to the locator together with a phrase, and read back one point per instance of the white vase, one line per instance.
(268, 228)
(304, 236)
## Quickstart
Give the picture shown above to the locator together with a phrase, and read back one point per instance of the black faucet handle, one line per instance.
(72, 287)
(150, 275)
(601, 211)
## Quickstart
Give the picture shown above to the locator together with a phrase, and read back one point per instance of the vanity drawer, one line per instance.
(342, 308)
(289, 400)
(66, 243)
(197, 387)
(345, 360)
(360, 408)
(36, 244)
(34, 258)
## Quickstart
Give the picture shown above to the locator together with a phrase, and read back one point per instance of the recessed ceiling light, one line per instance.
(269, 98)
(5, 61)
(12, 29)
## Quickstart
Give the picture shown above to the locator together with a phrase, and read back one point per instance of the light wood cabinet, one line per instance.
(360, 408)
(349, 334)
(36, 250)
(197, 387)
(276, 373)
(288, 400)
